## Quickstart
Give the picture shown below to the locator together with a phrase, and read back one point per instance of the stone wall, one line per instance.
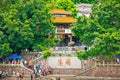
(69, 71)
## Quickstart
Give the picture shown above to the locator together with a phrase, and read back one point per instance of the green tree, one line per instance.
(67, 5)
(25, 24)
(101, 30)
(46, 54)
(85, 1)
(5, 49)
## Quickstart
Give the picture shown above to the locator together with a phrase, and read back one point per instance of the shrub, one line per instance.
(59, 54)
(46, 54)
(68, 55)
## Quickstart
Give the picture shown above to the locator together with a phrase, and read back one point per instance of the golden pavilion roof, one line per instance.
(63, 19)
(59, 11)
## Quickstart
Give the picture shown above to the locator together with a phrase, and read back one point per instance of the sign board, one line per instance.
(64, 62)
(63, 31)
(60, 30)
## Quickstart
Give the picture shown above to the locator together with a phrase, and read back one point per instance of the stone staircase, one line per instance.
(111, 71)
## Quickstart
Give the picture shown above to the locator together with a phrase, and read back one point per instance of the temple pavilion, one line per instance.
(62, 20)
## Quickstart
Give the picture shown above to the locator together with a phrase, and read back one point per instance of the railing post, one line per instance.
(103, 63)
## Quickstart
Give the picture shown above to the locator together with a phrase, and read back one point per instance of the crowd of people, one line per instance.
(13, 61)
(19, 75)
(41, 71)
(3, 73)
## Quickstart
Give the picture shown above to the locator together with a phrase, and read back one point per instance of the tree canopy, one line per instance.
(25, 24)
(85, 1)
(101, 31)
(67, 5)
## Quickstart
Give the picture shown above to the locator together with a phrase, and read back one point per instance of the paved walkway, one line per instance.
(98, 78)
(63, 77)
(49, 77)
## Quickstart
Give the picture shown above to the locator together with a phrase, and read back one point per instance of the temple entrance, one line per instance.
(76, 40)
(63, 40)
(66, 40)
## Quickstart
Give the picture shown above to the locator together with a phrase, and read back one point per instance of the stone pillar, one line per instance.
(70, 36)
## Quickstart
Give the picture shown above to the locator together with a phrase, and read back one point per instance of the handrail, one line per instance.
(35, 59)
(27, 52)
(27, 68)
(108, 64)
(11, 65)
(86, 71)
